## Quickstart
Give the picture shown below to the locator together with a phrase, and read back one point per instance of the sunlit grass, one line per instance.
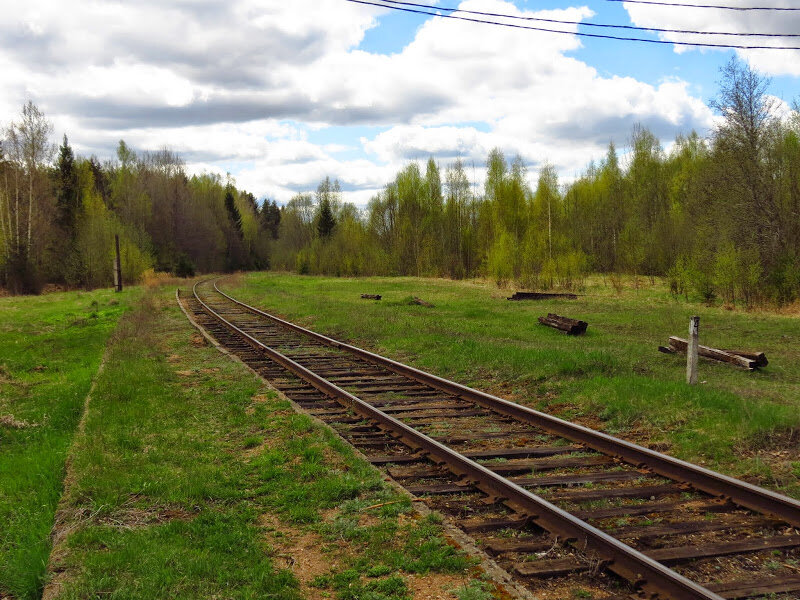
(182, 431)
(50, 349)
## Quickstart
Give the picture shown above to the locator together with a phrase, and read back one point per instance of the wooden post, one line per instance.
(691, 351)
(117, 266)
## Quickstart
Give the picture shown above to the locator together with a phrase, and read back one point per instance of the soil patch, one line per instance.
(300, 552)
(434, 586)
(9, 421)
(5, 375)
(780, 451)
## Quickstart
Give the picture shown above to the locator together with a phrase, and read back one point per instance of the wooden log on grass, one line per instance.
(681, 345)
(541, 296)
(415, 300)
(371, 296)
(759, 357)
(565, 324)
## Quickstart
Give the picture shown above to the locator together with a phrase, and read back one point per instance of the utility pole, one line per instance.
(117, 266)
(549, 229)
(691, 351)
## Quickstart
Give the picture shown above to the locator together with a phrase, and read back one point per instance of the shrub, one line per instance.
(184, 267)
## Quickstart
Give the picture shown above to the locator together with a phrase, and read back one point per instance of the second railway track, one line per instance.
(564, 509)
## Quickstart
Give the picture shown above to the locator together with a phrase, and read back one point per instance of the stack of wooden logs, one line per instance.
(565, 324)
(740, 358)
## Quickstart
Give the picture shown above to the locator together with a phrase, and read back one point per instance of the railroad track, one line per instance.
(568, 511)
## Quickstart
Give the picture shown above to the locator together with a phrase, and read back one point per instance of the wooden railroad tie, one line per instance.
(371, 296)
(565, 324)
(541, 296)
(415, 300)
(740, 358)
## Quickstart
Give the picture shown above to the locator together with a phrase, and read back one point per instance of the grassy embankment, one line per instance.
(193, 480)
(746, 424)
(50, 350)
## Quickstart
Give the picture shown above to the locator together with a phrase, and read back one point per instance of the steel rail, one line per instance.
(739, 492)
(643, 572)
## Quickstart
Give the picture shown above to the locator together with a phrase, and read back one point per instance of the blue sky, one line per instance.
(646, 62)
(281, 94)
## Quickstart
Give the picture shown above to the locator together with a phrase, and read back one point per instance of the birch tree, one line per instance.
(29, 151)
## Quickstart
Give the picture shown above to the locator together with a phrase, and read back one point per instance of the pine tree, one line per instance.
(67, 196)
(234, 215)
(325, 219)
(328, 203)
(236, 256)
(270, 218)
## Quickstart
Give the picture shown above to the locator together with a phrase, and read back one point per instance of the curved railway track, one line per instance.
(563, 508)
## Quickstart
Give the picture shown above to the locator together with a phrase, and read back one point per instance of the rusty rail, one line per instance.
(739, 492)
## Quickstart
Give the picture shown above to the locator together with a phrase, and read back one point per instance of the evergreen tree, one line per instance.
(100, 176)
(327, 205)
(234, 216)
(325, 219)
(236, 256)
(270, 218)
(67, 196)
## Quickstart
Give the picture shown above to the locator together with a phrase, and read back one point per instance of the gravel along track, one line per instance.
(567, 511)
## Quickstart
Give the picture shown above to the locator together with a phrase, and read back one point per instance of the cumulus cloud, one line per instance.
(236, 85)
(771, 62)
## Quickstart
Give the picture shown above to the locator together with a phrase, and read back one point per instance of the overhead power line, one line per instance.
(585, 23)
(562, 32)
(673, 4)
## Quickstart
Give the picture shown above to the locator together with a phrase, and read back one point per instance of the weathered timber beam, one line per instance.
(420, 302)
(541, 296)
(570, 326)
(759, 357)
(680, 345)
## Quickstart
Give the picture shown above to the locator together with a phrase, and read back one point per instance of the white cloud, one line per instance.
(771, 62)
(237, 84)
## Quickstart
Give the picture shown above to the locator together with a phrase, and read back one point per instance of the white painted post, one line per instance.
(691, 351)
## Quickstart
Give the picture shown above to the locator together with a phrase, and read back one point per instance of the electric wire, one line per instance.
(587, 23)
(720, 7)
(574, 33)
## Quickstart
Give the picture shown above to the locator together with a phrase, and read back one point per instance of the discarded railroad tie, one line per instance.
(740, 358)
(570, 326)
(371, 296)
(759, 357)
(415, 300)
(540, 296)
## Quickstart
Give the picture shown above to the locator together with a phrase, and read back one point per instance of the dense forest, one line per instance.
(719, 216)
(59, 214)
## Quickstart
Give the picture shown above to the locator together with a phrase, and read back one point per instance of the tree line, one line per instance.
(718, 216)
(59, 214)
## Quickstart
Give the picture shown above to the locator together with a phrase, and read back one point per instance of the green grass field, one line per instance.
(50, 349)
(744, 423)
(192, 479)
